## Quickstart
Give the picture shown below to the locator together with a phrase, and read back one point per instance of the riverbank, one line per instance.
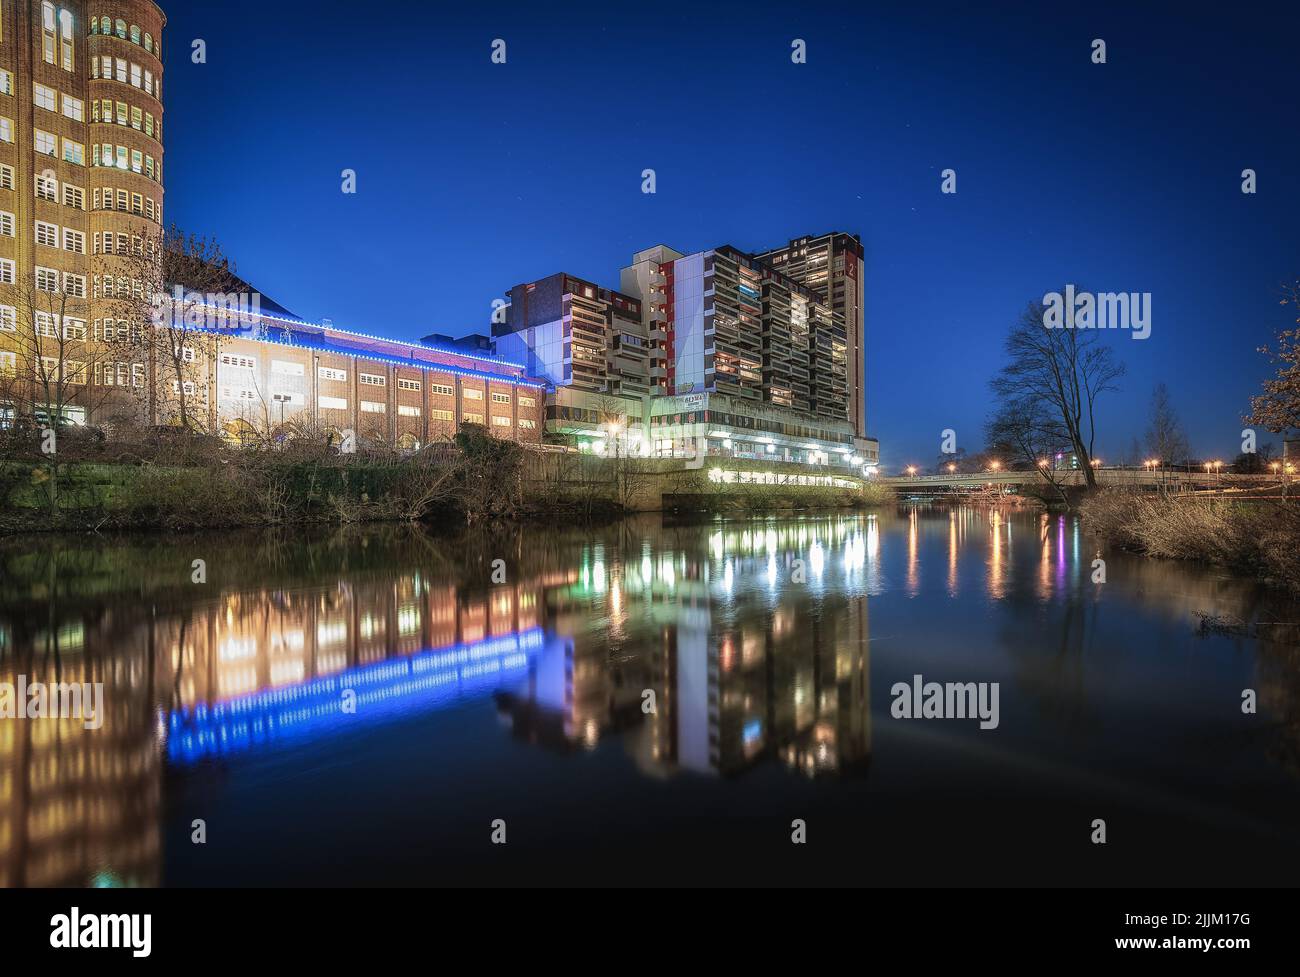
(473, 481)
(1256, 537)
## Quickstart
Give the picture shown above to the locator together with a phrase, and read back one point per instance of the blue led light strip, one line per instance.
(364, 335)
(381, 690)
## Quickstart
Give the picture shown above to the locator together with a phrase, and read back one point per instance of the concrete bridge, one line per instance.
(1153, 479)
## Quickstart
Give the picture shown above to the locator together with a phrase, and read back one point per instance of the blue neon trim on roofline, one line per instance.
(393, 360)
(363, 335)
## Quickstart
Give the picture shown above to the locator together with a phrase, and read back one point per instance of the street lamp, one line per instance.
(911, 469)
(995, 464)
(951, 468)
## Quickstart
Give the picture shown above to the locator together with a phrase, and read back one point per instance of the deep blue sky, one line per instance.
(474, 177)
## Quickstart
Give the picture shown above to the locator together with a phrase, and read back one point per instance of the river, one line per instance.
(645, 702)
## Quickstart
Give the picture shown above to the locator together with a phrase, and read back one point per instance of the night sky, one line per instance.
(473, 177)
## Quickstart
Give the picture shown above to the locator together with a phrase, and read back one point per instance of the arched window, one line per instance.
(135, 34)
(148, 41)
(120, 25)
(94, 25)
(105, 26)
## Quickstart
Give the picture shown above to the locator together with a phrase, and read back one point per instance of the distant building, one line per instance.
(715, 352)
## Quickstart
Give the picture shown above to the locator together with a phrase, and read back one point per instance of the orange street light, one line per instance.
(995, 464)
(951, 467)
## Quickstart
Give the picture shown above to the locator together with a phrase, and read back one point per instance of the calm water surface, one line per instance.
(359, 707)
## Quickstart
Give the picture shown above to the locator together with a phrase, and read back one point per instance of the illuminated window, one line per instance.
(47, 33)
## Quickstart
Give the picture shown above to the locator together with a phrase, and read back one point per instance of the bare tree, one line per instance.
(1064, 370)
(1278, 407)
(52, 361)
(1164, 436)
(170, 292)
(1029, 429)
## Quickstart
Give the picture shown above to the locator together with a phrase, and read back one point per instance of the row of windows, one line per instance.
(47, 280)
(45, 97)
(119, 69)
(110, 287)
(125, 158)
(107, 111)
(109, 27)
(50, 235)
(47, 188)
(119, 242)
(56, 36)
(133, 203)
(46, 324)
(371, 407)
(47, 143)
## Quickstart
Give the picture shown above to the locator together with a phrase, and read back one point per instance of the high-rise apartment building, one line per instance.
(832, 267)
(577, 334)
(81, 181)
(752, 363)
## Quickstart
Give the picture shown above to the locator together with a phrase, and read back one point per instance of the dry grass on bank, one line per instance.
(1260, 537)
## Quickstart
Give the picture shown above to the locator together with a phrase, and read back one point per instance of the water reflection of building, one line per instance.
(80, 806)
(753, 640)
(265, 665)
